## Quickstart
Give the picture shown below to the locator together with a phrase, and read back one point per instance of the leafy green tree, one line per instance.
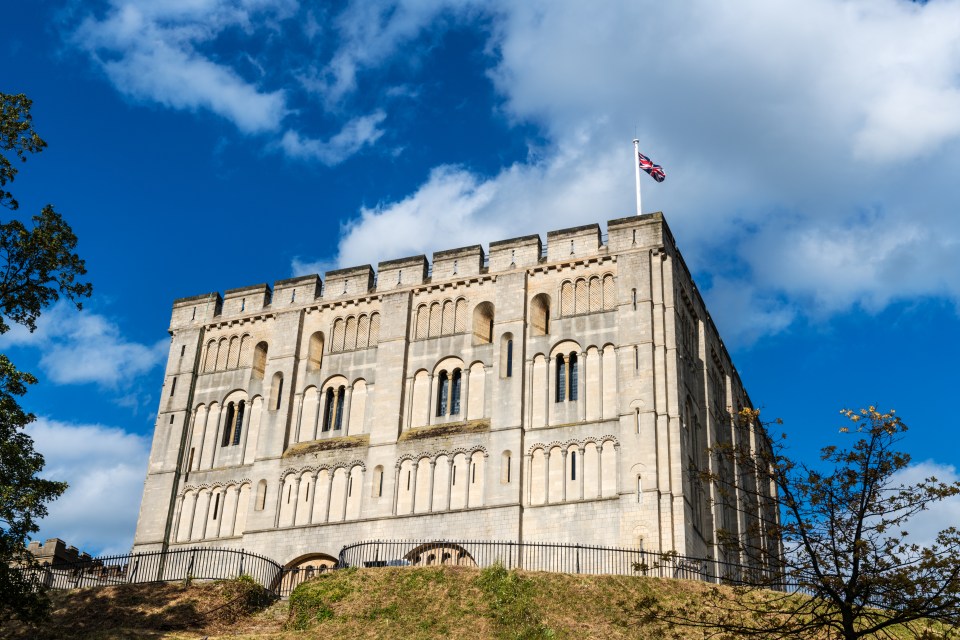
(849, 568)
(38, 265)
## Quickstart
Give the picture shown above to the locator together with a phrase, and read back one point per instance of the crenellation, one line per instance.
(348, 282)
(515, 253)
(457, 263)
(560, 398)
(245, 300)
(573, 243)
(294, 292)
(401, 273)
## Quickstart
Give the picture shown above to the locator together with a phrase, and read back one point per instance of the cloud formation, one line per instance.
(105, 467)
(80, 347)
(924, 527)
(806, 179)
(167, 53)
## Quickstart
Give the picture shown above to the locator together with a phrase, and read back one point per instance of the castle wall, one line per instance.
(564, 397)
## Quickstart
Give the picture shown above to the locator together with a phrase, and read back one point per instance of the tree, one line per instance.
(849, 568)
(38, 265)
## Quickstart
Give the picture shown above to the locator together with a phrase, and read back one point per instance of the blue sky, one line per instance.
(811, 151)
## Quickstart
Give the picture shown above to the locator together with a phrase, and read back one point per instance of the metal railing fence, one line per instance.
(552, 557)
(199, 563)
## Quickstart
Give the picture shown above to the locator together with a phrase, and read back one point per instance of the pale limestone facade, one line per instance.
(560, 395)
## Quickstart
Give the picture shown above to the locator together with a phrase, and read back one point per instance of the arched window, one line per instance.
(233, 424)
(261, 496)
(211, 361)
(229, 422)
(374, 330)
(276, 391)
(377, 487)
(315, 352)
(259, 360)
(573, 465)
(483, 323)
(540, 315)
(338, 332)
(610, 293)
(566, 299)
(340, 397)
(363, 332)
(505, 475)
(443, 392)
(328, 410)
(596, 294)
(238, 423)
(423, 322)
(434, 319)
(561, 378)
(506, 355)
(448, 318)
(455, 392)
(350, 339)
(574, 376)
(581, 297)
(568, 375)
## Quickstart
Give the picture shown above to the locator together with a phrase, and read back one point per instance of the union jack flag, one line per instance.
(655, 170)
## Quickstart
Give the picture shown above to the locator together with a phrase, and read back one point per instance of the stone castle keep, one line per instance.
(563, 393)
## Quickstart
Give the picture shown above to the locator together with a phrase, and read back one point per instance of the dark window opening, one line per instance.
(455, 393)
(509, 358)
(573, 465)
(443, 391)
(173, 387)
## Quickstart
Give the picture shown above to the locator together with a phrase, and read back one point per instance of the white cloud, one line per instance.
(167, 53)
(355, 135)
(152, 51)
(105, 467)
(83, 347)
(811, 146)
(924, 527)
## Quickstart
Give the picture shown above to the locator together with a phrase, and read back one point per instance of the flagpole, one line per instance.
(636, 167)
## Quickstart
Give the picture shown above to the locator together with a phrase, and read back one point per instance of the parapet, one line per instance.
(457, 263)
(403, 272)
(515, 253)
(352, 281)
(574, 242)
(246, 299)
(294, 291)
(524, 252)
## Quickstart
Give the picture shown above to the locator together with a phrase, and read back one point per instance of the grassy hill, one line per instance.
(438, 602)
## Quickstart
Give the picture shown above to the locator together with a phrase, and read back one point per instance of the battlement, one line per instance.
(55, 551)
(563, 245)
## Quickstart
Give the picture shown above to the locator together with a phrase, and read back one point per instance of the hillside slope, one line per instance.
(434, 602)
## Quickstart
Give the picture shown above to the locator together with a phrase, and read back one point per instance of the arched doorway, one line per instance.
(303, 568)
(440, 553)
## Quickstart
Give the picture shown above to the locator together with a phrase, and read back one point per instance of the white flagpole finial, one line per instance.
(636, 168)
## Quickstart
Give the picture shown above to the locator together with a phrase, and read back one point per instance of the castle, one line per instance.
(562, 393)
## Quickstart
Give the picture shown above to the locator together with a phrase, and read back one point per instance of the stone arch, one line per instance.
(420, 403)
(315, 351)
(358, 407)
(507, 350)
(566, 298)
(422, 327)
(540, 315)
(276, 391)
(440, 553)
(483, 318)
(305, 567)
(260, 360)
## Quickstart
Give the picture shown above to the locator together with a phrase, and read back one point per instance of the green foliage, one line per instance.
(310, 601)
(511, 604)
(16, 135)
(843, 525)
(38, 265)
